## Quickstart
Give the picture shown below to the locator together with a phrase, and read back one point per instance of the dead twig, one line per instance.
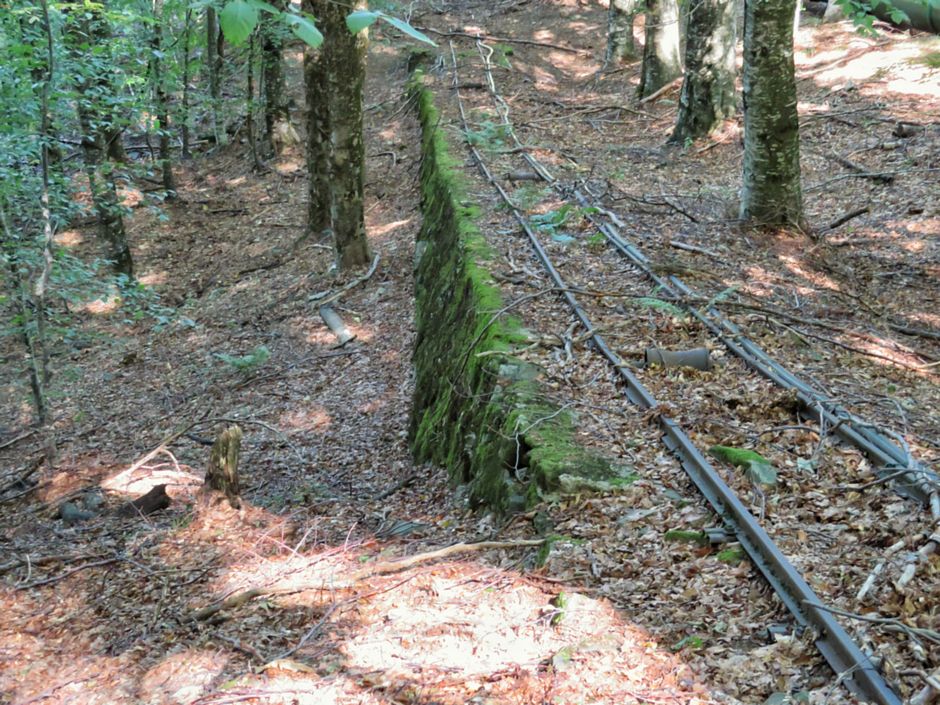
(383, 568)
(892, 624)
(68, 573)
(17, 439)
(326, 297)
(504, 40)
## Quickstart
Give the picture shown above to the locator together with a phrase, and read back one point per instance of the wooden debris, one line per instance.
(222, 475)
(155, 500)
(336, 325)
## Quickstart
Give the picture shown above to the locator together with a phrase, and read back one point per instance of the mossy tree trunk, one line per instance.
(620, 42)
(85, 30)
(771, 192)
(707, 95)
(276, 98)
(336, 151)
(662, 59)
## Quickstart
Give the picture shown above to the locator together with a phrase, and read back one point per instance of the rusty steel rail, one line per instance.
(852, 667)
(910, 478)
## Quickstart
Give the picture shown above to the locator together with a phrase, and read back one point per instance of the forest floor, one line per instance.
(107, 610)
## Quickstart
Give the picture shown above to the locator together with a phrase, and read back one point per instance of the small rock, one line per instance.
(70, 513)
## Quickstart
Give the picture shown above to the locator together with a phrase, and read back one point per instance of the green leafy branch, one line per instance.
(239, 18)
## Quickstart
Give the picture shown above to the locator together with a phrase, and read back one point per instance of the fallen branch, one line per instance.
(398, 486)
(66, 574)
(17, 439)
(843, 219)
(679, 245)
(327, 297)
(383, 568)
(893, 624)
(505, 40)
(665, 89)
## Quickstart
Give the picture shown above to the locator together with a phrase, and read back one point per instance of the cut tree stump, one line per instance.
(222, 475)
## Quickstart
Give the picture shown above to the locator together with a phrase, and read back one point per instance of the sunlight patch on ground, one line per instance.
(794, 264)
(130, 197)
(288, 166)
(138, 480)
(102, 307)
(155, 278)
(389, 228)
(928, 318)
(892, 68)
(313, 418)
(182, 677)
(69, 238)
(324, 337)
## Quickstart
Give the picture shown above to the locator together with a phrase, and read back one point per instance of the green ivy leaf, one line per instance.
(758, 468)
(238, 19)
(267, 7)
(360, 20)
(406, 28)
(305, 30)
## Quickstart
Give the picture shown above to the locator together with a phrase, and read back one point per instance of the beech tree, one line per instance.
(662, 60)
(276, 99)
(707, 95)
(771, 193)
(344, 64)
(620, 42)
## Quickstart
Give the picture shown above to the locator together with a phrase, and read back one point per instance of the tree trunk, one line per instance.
(160, 100)
(90, 29)
(662, 60)
(345, 55)
(184, 103)
(620, 42)
(250, 107)
(276, 98)
(707, 95)
(771, 193)
(318, 131)
(214, 67)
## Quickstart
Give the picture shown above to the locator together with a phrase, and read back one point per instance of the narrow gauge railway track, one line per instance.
(847, 660)
(892, 463)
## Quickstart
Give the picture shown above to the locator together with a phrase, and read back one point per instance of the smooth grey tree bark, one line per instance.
(707, 95)
(662, 59)
(771, 193)
(620, 42)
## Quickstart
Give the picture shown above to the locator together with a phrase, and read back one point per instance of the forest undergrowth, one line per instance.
(295, 597)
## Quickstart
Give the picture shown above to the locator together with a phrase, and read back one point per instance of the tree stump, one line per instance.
(222, 474)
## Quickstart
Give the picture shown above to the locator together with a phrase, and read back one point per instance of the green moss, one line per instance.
(477, 410)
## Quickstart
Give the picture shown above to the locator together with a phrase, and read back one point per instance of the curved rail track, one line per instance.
(852, 666)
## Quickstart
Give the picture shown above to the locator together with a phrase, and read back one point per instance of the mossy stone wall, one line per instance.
(477, 410)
